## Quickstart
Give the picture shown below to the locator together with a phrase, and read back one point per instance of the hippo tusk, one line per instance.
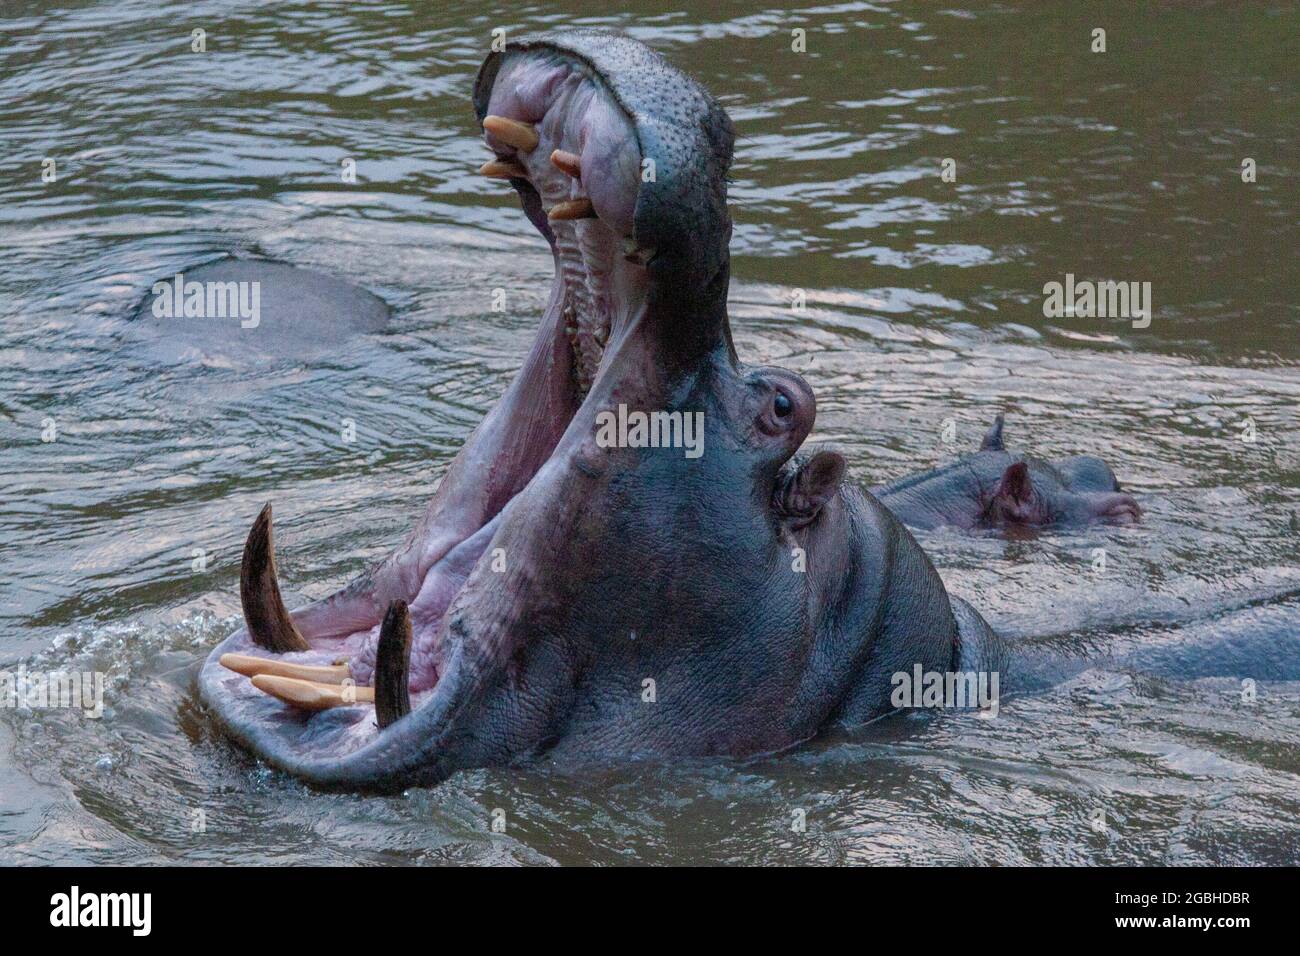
(503, 169)
(393, 666)
(250, 666)
(268, 622)
(572, 209)
(566, 162)
(512, 132)
(310, 695)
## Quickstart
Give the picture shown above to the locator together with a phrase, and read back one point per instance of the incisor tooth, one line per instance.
(310, 695)
(503, 169)
(567, 162)
(250, 666)
(512, 132)
(572, 209)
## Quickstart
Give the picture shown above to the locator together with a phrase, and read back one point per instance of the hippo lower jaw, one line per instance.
(431, 634)
(377, 674)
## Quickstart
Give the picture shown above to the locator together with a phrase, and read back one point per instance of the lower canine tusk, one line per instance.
(393, 666)
(310, 695)
(512, 132)
(265, 615)
(250, 666)
(572, 209)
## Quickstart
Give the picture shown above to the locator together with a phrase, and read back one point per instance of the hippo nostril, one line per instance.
(782, 405)
(1118, 507)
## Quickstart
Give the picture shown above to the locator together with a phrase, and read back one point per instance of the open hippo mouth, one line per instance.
(425, 664)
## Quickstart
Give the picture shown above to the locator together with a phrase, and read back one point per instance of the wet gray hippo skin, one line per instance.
(587, 601)
(995, 488)
(248, 310)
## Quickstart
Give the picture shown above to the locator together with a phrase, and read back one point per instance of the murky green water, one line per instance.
(924, 305)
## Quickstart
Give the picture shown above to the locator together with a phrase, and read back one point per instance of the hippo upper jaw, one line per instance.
(653, 149)
(637, 310)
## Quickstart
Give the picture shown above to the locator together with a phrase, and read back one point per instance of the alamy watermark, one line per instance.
(956, 690)
(632, 429)
(75, 908)
(1101, 300)
(177, 299)
(80, 690)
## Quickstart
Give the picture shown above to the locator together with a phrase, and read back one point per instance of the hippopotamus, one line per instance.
(633, 555)
(244, 311)
(997, 489)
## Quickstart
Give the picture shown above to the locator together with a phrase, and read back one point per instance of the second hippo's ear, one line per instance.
(1015, 484)
(993, 437)
(801, 496)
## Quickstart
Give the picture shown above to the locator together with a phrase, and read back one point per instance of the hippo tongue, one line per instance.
(544, 519)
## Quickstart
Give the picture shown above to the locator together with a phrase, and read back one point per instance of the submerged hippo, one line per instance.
(995, 488)
(594, 592)
(243, 311)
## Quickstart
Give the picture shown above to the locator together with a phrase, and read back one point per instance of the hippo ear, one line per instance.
(1015, 484)
(803, 494)
(993, 437)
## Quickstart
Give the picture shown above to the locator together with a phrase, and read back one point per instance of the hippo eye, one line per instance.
(782, 405)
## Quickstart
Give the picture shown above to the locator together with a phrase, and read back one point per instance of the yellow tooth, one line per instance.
(503, 169)
(250, 666)
(512, 132)
(567, 163)
(309, 695)
(572, 209)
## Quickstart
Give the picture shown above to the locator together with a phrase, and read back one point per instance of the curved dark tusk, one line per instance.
(393, 666)
(268, 622)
